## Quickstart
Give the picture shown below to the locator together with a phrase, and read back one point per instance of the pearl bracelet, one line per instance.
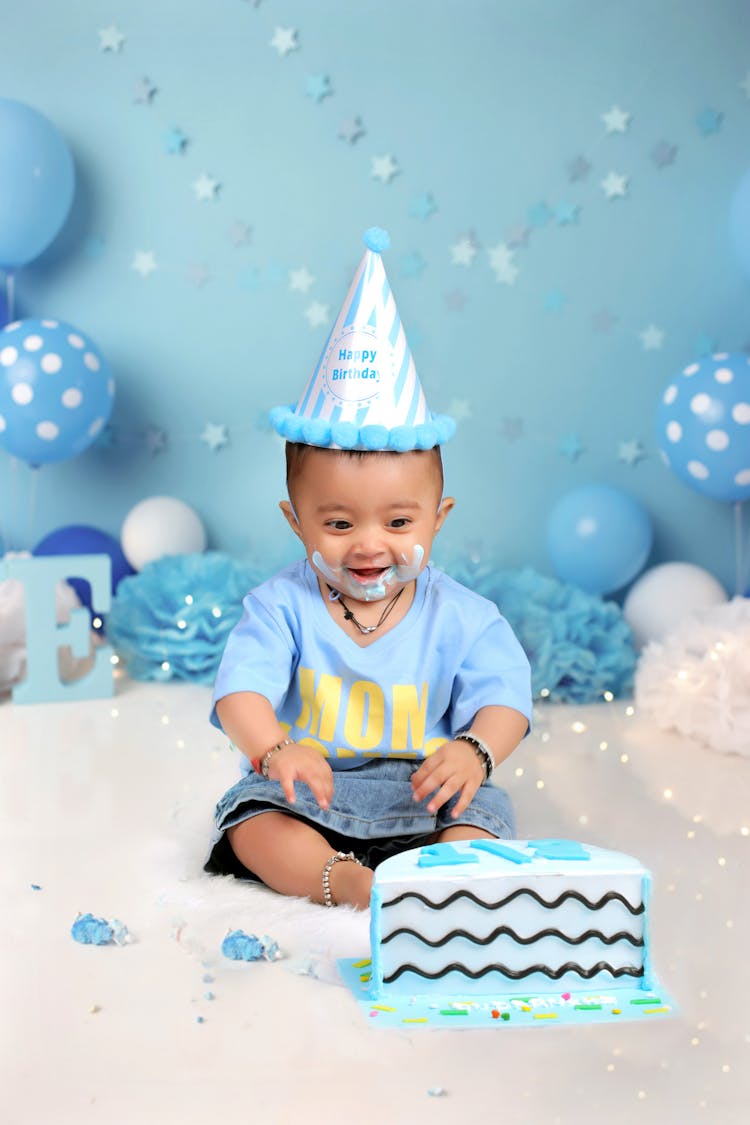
(481, 749)
(339, 857)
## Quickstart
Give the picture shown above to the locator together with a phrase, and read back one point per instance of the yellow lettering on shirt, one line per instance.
(365, 715)
(320, 706)
(409, 713)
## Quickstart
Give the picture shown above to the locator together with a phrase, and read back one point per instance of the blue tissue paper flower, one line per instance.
(579, 645)
(171, 621)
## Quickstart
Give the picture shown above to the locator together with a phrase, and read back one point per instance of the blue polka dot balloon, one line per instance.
(703, 426)
(56, 391)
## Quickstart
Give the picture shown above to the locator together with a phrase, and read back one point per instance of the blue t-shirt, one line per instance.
(402, 696)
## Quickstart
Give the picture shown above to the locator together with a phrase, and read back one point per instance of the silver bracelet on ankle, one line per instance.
(339, 857)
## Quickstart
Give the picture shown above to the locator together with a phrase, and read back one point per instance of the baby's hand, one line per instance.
(298, 762)
(454, 767)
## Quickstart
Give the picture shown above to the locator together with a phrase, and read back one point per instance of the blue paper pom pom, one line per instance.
(239, 946)
(171, 621)
(376, 239)
(579, 645)
(316, 431)
(345, 434)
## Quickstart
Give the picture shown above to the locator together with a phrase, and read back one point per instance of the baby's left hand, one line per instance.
(454, 767)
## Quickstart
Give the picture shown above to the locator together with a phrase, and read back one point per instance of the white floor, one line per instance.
(105, 807)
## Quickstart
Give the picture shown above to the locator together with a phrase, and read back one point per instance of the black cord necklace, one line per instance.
(335, 596)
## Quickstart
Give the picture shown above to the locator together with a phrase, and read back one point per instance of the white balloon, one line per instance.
(665, 596)
(159, 526)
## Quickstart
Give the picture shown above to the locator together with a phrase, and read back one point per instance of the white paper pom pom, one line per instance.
(697, 680)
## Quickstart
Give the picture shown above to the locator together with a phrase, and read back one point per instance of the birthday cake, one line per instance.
(490, 917)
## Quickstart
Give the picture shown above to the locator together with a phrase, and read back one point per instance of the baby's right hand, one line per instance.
(298, 762)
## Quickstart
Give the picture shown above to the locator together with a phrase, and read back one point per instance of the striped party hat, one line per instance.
(364, 392)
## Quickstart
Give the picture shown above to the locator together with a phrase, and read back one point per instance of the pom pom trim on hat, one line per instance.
(376, 239)
(346, 435)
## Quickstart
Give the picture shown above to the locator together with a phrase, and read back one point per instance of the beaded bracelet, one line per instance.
(481, 749)
(260, 765)
(339, 857)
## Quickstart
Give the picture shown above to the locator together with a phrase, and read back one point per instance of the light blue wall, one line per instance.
(483, 104)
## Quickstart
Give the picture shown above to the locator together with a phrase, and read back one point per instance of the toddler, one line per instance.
(371, 696)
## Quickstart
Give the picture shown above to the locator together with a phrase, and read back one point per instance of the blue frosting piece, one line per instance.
(494, 847)
(239, 946)
(559, 849)
(376, 239)
(401, 439)
(444, 855)
(89, 930)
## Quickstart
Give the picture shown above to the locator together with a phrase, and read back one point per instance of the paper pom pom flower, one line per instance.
(171, 621)
(579, 646)
(697, 680)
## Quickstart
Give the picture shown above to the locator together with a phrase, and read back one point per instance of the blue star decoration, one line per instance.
(709, 121)
(572, 447)
(319, 87)
(539, 215)
(663, 154)
(566, 213)
(215, 436)
(175, 141)
(630, 452)
(422, 206)
(351, 130)
(578, 169)
(412, 265)
(554, 300)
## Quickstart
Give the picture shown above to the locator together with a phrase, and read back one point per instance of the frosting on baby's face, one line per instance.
(370, 589)
(367, 522)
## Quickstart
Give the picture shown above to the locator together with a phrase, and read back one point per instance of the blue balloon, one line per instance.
(56, 391)
(703, 426)
(37, 181)
(598, 538)
(79, 539)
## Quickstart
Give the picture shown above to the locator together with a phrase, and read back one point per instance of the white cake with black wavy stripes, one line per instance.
(492, 917)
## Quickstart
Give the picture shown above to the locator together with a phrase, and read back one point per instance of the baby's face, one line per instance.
(367, 523)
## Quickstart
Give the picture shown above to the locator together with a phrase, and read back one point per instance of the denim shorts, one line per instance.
(372, 813)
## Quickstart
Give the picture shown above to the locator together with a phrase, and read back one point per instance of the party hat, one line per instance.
(364, 392)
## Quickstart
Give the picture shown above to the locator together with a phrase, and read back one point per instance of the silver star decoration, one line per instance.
(663, 154)
(205, 187)
(240, 233)
(502, 264)
(351, 130)
(284, 40)
(316, 314)
(614, 185)
(518, 236)
(111, 39)
(652, 338)
(300, 280)
(603, 321)
(616, 120)
(384, 168)
(511, 428)
(144, 262)
(215, 436)
(144, 91)
(464, 251)
(630, 452)
(156, 440)
(578, 169)
(198, 273)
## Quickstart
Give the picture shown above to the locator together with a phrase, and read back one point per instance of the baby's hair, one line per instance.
(296, 453)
